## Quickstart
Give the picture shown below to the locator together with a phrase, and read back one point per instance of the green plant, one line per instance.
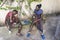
(0, 1)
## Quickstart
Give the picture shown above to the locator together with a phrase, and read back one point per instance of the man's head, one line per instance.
(15, 12)
(38, 6)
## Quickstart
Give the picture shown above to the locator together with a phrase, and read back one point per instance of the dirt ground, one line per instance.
(49, 30)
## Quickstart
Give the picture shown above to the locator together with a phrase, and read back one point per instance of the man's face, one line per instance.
(37, 8)
(14, 12)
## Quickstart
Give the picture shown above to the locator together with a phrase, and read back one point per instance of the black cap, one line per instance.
(39, 5)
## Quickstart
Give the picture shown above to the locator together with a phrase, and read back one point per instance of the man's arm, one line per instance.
(10, 17)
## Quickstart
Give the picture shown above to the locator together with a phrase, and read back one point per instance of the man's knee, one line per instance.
(20, 27)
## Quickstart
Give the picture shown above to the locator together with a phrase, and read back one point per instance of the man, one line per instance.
(36, 20)
(11, 18)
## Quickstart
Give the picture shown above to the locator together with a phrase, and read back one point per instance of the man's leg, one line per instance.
(19, 29)
(9, 26)
(40, 28)
(30, 29)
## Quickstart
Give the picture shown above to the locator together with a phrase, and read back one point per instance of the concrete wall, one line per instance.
(3, 14)
(48, 6)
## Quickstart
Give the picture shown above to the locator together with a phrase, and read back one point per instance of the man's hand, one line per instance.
(36, 20)
(10, 21)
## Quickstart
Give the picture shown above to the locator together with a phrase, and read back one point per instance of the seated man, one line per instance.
(11, 18)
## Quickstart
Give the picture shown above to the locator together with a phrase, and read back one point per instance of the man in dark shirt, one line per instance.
(36, 20)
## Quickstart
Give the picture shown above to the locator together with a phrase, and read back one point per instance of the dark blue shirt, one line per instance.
(38, 12)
